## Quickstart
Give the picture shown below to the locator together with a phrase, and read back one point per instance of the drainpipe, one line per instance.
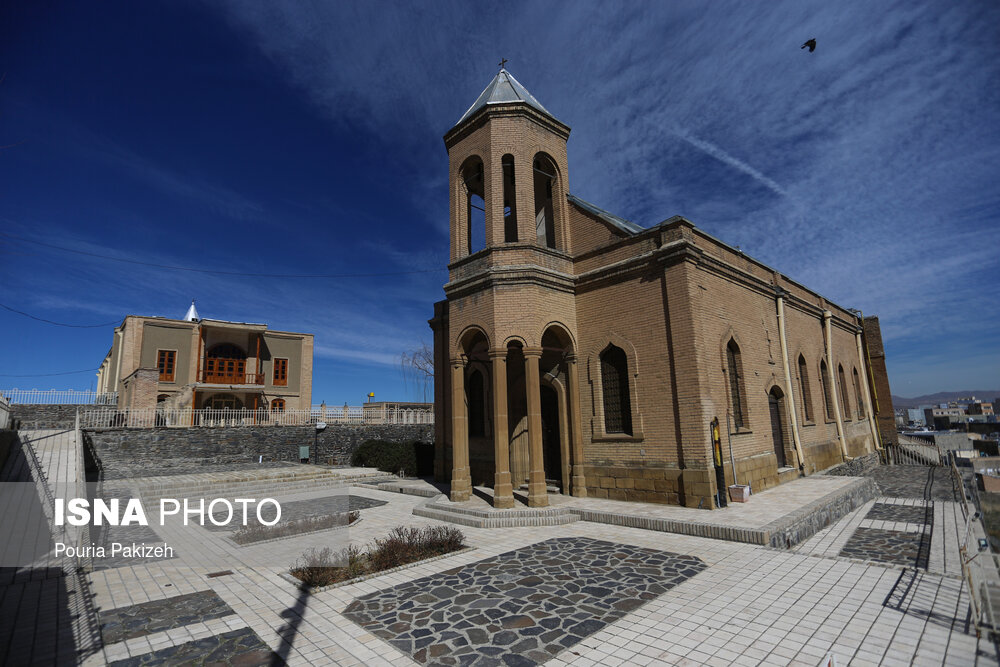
(789, 391)
(833, 383)
(865, 390)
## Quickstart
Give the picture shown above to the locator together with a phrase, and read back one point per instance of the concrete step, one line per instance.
(269, 485)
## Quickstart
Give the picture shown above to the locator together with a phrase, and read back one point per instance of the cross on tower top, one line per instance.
(503, 61)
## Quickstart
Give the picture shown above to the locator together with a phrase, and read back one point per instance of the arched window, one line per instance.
(824, 378)
(734, 367)
(807, 414)
(614, 384)
(545, 227)
(278, 405)
(509, 200)
(843, 391)
(476, 398)
(858, 395)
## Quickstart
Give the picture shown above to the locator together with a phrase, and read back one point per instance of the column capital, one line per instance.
(498, 353)
(571, 357)
(532, 352)
(458, 362)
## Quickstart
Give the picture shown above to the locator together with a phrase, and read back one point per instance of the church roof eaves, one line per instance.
(610, 218)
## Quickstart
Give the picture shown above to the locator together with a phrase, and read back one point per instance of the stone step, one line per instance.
(502, 519)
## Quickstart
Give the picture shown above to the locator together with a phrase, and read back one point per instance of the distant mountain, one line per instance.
(944, 397)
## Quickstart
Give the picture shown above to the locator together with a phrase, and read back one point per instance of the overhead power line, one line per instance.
(59, 324)
(46, 375)
(218, 272)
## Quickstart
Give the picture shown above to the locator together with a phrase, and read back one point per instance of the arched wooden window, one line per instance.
(477, 413)
(807, 414)
(859, 397)
(614, 385)
(278, 405)
(824, 378)
(734, 366)
(844, 396)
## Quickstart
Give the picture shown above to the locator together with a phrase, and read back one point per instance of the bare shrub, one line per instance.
(403, 545)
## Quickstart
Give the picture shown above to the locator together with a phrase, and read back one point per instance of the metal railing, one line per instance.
(980, 565)
(913, 451)
(58, 397)
(222, 377)
(91, 418)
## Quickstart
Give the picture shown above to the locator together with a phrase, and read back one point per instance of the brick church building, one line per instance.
(577, 351)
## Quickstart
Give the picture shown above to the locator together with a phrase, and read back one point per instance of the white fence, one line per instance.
(58, 397)
(113, 418)
(4, 413)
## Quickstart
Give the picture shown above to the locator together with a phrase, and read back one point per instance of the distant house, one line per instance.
(204, 363)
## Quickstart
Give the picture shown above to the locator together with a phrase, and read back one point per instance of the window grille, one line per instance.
(614, 381)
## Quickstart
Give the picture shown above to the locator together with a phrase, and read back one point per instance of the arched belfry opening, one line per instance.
(473, 187)
(546, 187)
(509, 200)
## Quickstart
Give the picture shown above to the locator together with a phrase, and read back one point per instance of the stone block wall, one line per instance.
(32, 416)
(856, 467)
(133, 452)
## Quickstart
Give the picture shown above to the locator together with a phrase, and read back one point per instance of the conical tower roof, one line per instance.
(192, 313)
(504, 89)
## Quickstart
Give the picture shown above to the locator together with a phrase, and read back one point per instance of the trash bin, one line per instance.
(304, 454)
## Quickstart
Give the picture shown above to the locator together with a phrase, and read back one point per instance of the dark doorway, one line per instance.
(550, 435)
(774, 405)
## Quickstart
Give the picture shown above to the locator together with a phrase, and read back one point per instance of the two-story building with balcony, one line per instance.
(207, 364)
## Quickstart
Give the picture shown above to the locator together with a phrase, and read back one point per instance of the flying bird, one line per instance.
(811, 44)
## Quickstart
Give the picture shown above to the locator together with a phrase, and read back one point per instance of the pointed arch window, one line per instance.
(734, 368)
(858, 396)
(824, 378)
(807, 414)
(844, 396)
(615, 389)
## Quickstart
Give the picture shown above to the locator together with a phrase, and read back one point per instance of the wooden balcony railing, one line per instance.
(226, 377)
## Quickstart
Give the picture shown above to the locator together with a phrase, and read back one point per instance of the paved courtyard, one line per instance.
(881, 585)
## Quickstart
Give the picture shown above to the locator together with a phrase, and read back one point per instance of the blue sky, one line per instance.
(305, 138)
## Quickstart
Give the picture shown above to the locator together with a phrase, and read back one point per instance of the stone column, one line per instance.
(461, 483)
(537, 493)
(579, 482)
(503, 492)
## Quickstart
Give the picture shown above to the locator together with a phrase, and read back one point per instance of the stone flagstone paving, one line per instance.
(888, 546)
(149, 617)
(901, 513)
(239, 647)
(521, 607)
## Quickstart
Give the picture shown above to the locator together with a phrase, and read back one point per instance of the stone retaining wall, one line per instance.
(34, 416)
(136, 450)
(857, 467)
